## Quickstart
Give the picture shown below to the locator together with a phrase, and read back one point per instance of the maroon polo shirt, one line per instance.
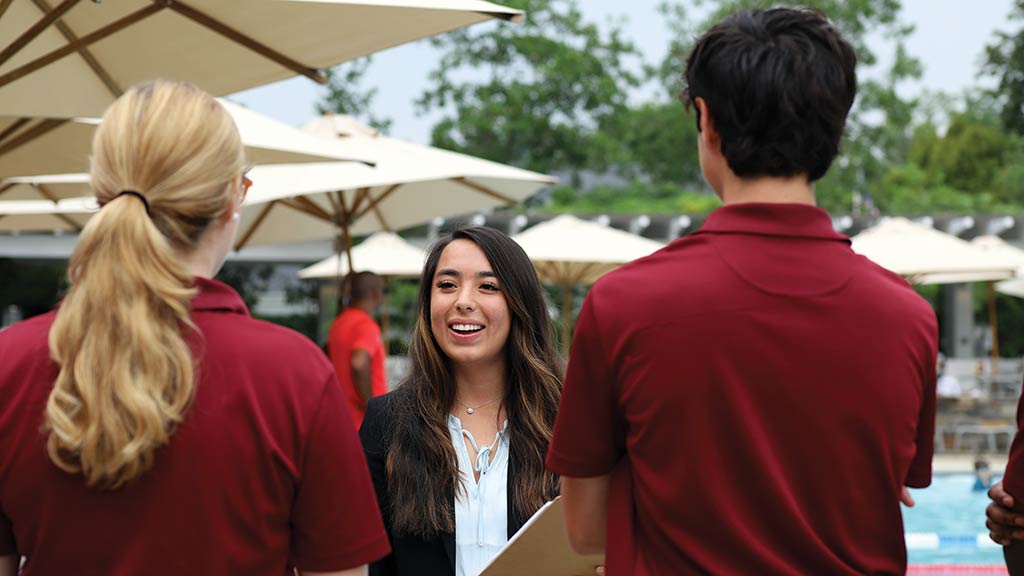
(265, 472)
(762, 393)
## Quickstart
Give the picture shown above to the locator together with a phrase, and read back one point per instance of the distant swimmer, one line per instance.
(984, 477)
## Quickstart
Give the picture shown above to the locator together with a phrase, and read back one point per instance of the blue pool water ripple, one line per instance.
(952, 510)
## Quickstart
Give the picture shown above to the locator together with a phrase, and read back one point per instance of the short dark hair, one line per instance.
(364, 285)
(779, 84)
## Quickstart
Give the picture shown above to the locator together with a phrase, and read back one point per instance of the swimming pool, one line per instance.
(947, 526)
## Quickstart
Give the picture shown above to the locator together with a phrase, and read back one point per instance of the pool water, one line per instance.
(950, 509)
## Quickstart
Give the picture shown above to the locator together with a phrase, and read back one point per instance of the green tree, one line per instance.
(249, 280)
(636, 198)
(1004, 60)
(911, 189)
(655, 141)
(34, 287)
(923, 144)
(970, 154)
(1009, 182)
(970, 168)
(536, 92)
(344, 94)
(1010, 326)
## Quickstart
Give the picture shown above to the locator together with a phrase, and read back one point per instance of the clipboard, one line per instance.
(541, 548)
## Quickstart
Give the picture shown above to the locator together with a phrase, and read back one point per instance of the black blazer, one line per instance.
(411, 555)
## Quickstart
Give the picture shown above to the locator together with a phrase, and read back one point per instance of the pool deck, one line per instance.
(953, 463)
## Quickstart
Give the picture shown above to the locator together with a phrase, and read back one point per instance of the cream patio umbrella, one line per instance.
(383, 253)
(994, 246)
(72, 58)
(567, 251)
(65, 148)
(44, 216)
(1013, 287)
(409, 185)
(48, 189)
(925, 255)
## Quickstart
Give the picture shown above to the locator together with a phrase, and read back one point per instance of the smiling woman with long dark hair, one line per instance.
(457, 451)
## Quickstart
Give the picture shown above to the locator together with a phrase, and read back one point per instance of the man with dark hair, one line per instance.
(755, 398)
(355, 344)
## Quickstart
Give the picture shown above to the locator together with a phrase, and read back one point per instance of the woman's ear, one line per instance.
(234, 207)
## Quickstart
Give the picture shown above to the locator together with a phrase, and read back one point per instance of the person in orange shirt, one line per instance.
(356, 346)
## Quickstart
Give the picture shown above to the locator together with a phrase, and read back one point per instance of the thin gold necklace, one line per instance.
(470, 410)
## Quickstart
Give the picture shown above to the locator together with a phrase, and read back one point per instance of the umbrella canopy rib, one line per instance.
(483, 190)
(82, 42)
(74, 225)
(50, 16)
(582, 272)
(14, 127)
(361, 196)
(503, 16)
(230, 33)
(545, 270)
(339, 208)
(335, 207)
(84, 52)
(46, 193)
(380, 218)
(42, 127)
(4, 5)
(306, 206)
(256, 224)
(53, 198)
(376, 201)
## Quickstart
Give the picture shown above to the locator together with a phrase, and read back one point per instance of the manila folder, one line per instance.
(541, 548)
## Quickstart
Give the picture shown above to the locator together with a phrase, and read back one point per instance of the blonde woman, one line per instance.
(149, 425)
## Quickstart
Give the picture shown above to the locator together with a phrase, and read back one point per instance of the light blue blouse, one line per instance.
(481, 510)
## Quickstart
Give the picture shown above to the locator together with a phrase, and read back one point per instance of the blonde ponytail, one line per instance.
(127, 375)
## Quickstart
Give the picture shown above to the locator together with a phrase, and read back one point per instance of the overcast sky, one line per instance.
(949, 39)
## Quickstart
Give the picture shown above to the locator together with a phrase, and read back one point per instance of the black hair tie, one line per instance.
(137, 195)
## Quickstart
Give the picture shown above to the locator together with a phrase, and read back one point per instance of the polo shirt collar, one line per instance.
(215, 296)
(767, 219)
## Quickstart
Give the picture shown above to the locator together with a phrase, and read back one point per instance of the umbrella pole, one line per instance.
(340, 294)
(566, 315)
(345, 242)
(994, 326)
(348, 243)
